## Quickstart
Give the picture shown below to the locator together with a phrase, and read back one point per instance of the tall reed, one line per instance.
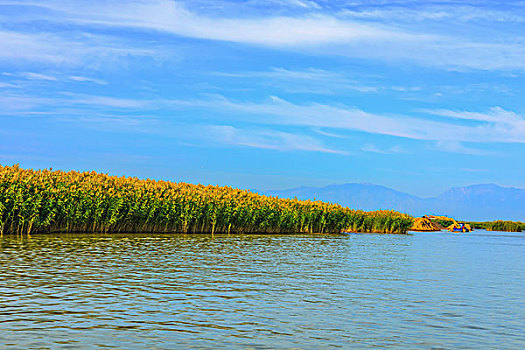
(56, 201)
(500, 225)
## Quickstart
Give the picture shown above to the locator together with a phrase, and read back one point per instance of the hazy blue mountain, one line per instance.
(353, 195)
(477, 202)
(490, 202)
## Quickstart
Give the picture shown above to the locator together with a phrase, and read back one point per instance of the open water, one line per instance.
(357, 291)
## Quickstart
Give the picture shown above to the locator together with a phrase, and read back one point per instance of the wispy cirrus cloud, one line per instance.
(370, 147)
(315, 80)
(38, 76)
(422, 11)
(8, 85)
(83, 79)
(456, 146)
(316, 32)
(499, 125)
(282, 73)
(496, 125)
(494, 115)
(51, 78)
(311, 80)
(66, 49)
(32, 47)
(35, 104)
(107, 101)
(268, 139)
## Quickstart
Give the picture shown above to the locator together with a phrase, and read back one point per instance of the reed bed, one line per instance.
(500, 225)
(43, 201)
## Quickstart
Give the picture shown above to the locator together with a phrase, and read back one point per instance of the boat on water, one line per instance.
(459, 227)
(433, 223)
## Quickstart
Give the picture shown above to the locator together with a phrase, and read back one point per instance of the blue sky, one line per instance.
(415, 95)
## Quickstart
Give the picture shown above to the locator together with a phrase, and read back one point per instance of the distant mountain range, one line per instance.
(474, 203)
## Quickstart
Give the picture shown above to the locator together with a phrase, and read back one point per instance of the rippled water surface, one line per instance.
(426, 290)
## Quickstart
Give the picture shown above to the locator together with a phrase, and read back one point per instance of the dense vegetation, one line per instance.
(499, 225)
(56, 201)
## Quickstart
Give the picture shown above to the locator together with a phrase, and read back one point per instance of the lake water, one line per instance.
(419, 291)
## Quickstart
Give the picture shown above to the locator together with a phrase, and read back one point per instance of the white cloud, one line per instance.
(7, 85)
(313, 33)
(305, 4)
(498, 125)
(105, 101)
(495, 115)
(370, 147)
(33, 47)
(86, 49)
(456, 12)
(172, 17)
(268, 139)
(35, 104)
(14, 103)
(311, 80)
(325, 34)
(329, 134)
(454, 146)
(86, 79)
(406, 89)
(453, 128)
(38, 76)
(59, 77)
(282, 73)
(302, 4)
